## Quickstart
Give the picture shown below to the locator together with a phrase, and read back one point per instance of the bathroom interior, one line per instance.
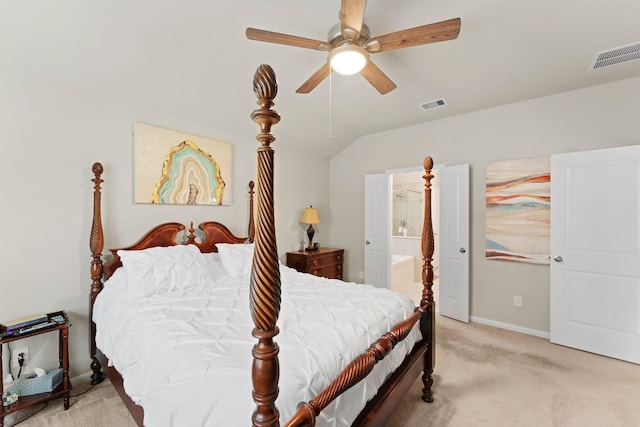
(406, 232)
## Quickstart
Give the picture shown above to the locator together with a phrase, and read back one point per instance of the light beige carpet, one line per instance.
(484, 377)
(99, 407)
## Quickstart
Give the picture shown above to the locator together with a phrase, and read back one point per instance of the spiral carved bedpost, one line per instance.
(96, 243)
(265, 273)
(251, 231)
(427, 323)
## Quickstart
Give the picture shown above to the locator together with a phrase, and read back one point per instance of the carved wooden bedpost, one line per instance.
(96, 243)
(251, 231)
(427, 323)
(265, 273)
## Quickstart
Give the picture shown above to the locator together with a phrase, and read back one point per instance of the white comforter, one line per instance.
(185, 355)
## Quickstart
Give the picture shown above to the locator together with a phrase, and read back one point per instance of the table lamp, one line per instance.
(310, 216)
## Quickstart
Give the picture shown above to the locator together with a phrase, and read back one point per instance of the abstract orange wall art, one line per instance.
(518, 196)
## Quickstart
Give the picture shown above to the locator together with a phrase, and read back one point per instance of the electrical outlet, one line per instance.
(517, 300)
(16, 353)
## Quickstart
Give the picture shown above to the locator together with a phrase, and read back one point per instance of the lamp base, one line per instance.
(310, 233)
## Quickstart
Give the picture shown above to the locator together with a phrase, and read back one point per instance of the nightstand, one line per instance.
(323, 262)
(57, 321)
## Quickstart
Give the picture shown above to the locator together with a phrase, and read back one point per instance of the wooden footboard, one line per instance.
(355, 372)
(380, 408)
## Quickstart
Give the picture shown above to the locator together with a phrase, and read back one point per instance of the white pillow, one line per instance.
(160, 270)
(236, 258)
(214, 264)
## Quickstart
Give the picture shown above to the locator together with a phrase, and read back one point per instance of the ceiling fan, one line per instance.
(349, 45)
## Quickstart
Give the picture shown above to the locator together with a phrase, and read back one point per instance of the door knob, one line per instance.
(557, 258)
(462, 250)
(367, 242)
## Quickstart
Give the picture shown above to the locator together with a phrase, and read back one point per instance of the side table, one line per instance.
(57, 321)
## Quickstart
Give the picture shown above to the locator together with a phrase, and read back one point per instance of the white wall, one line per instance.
(50, 138)
(596, 117)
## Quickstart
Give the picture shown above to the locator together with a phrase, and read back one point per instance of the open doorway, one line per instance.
(407, 216)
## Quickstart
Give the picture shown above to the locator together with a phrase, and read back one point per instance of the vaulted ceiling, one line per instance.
(191, 59)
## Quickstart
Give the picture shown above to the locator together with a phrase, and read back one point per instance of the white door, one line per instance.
(454, 242)
(376, 230)
(595, 251)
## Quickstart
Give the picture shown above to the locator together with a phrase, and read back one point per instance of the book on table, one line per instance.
(24, 322)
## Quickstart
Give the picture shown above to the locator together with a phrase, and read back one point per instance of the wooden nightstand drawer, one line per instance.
(326, 259)
(324, 262)
(333, 271)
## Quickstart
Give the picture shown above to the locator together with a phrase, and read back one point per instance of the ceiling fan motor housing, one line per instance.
(335, 37)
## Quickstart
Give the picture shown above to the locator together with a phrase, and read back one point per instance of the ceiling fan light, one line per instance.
(348, 59)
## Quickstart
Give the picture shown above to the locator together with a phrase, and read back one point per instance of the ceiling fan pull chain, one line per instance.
(330, 103)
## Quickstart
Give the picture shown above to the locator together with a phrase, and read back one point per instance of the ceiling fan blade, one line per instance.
(352, 16)
(315, 79)
(377, 78)
(279, 38)
(425, 34)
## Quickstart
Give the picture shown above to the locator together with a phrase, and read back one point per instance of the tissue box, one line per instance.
(35, 385)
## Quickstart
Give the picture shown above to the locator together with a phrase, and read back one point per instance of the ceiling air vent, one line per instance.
(615, 56)
(433, 104)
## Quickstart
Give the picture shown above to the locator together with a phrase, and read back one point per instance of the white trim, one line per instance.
(510, 327)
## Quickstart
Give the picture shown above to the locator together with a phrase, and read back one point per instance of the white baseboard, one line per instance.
(510, 327)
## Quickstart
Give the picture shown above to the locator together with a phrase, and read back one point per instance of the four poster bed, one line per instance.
(172, 322)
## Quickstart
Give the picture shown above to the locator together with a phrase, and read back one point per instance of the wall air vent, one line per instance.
(615, 56)
(437, 103)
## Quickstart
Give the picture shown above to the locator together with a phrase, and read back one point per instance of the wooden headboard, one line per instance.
(166, 234)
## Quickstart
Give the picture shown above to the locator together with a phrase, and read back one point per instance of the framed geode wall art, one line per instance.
(172, 167)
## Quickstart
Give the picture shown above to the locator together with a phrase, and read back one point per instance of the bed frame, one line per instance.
(265, 295)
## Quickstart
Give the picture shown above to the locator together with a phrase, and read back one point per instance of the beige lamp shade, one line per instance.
(310, 216)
